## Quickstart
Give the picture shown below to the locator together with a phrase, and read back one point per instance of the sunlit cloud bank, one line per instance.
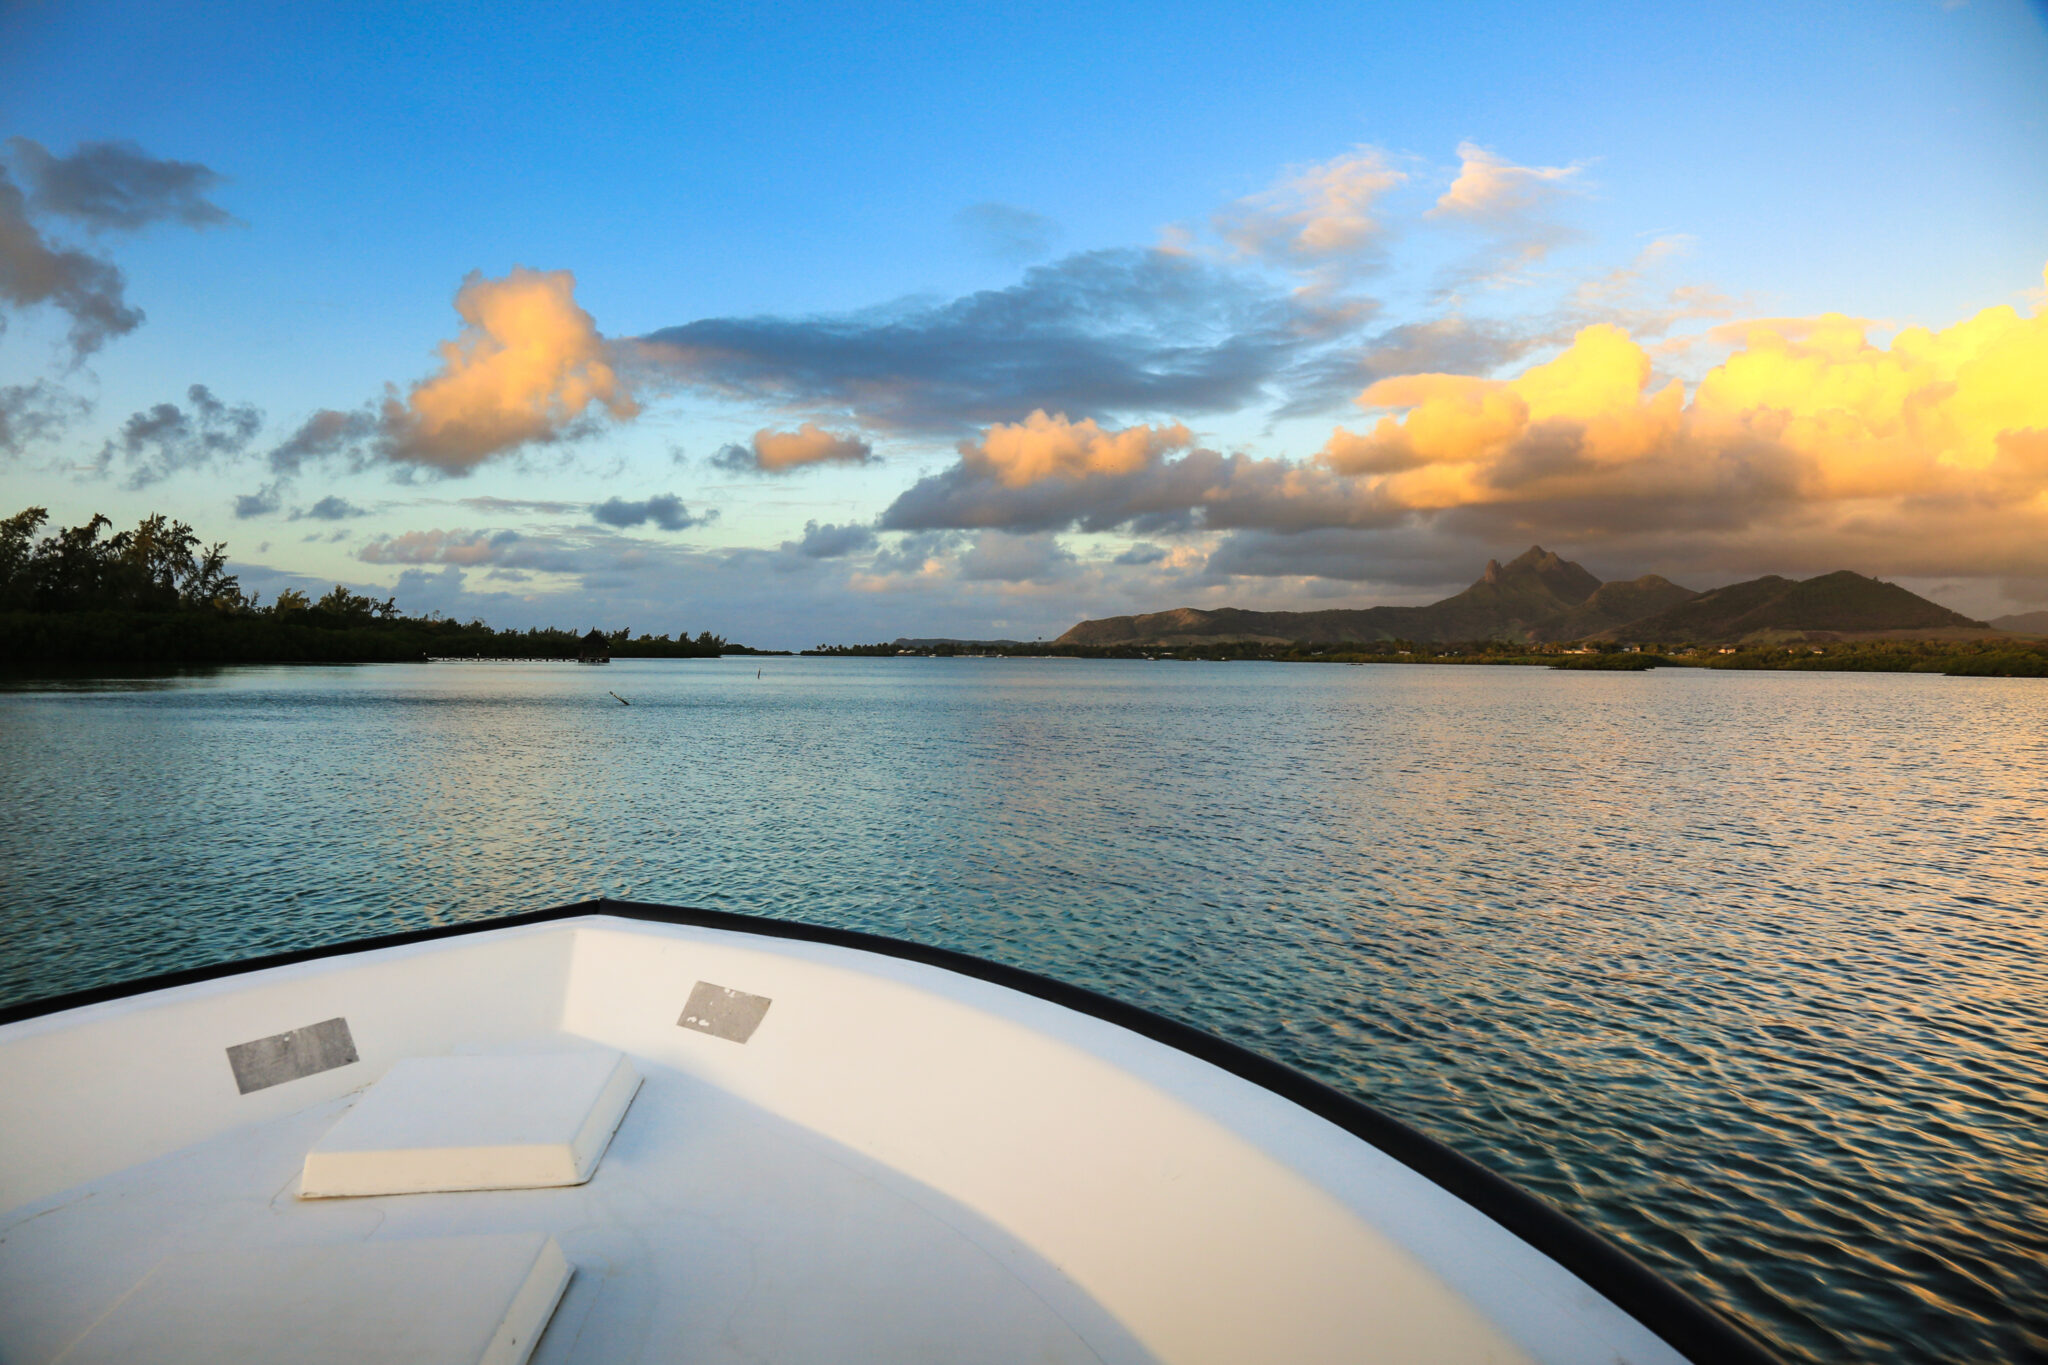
(1926, 455)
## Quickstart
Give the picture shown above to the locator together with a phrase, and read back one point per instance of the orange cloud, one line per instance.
(1045, 447)
(1956, 413)
(809, 444)
(528, 368)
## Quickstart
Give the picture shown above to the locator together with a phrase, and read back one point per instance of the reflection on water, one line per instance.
(1743, 969)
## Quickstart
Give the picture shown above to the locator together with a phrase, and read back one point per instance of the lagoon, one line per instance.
(1743, 969)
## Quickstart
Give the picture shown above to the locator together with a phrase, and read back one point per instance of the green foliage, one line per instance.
(158, 566)
(155, 597)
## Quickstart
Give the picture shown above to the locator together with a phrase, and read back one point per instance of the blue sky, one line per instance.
(766, 181)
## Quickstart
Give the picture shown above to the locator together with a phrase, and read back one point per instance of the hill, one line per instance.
(1509, 601)
(1837, 603)
(2026, 622)
(1539, 597)
(1614, 604)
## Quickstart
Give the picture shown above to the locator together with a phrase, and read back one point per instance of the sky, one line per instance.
(824, 324)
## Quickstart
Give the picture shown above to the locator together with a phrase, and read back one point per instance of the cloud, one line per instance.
(101, 185)
(1397, 560)
(1141, 554)
(1044, 447)
(33, 271)
(522, 506)
(262, 503)
(1099, 334)
(1513, 205)
(324, 434)
(31, 413)
(1928, 455)
(999, 557)
(665, 510)
(1808, 445)
(440, 547)
(118, 185)
(832, 542)
(1315, 214)
(1006, 232)
(782, 452)
(333, 507)
(1096, 480)
(529, 368)
(1492, 190)
(167, 439)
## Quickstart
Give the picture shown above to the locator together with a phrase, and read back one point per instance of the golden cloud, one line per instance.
(1815, 412)
(809, 444)
(528, 368)
(1050, 447)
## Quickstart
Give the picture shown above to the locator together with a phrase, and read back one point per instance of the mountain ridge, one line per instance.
(1541, 597)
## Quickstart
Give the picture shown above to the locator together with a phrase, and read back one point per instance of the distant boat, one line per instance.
(622, 1132)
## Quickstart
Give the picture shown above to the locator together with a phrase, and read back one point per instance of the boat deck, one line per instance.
(711, 1231)
(835, 1155)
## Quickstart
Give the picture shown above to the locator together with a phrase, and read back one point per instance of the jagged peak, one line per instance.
(1538, 558)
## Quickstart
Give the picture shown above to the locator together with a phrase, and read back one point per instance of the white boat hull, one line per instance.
(842, 1151)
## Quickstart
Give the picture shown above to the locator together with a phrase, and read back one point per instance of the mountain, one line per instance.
(1837, 603)
(1539, 597)
(1614, 604)
(2026, 623)
(1510, 601)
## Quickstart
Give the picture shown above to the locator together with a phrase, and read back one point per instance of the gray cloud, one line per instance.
(1448, 344)
(999, 557)
(911, 552)
(1007, 232)
(1103, 333)
(832, 542)
(35, 412)
(1141, 554)
(118, 185)
(262, 503)
(522, 506)
(327, 432)
(32, 271)
(330, 508)
(1402, 558)
(1203, 489)
(167, 439)
(665, 510)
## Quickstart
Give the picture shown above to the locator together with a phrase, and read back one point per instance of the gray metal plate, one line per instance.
(287, 1056)
(723, 1012)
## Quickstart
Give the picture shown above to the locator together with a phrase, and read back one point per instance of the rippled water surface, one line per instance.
(1745, 970)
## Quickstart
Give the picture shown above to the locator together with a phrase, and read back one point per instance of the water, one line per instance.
(1744, 970)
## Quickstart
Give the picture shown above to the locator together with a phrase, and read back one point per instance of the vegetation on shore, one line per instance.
(156, 596)
(1975, 658)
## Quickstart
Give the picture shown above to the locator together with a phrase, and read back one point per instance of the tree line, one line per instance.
(157, 595)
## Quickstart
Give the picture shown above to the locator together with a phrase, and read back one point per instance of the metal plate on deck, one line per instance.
(287, 1056)
(723, 1012)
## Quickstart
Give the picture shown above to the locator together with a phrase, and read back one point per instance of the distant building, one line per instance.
(594, 649)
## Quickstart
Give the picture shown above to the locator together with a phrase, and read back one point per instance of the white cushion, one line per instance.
(475, 1123)
(422, 1301)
